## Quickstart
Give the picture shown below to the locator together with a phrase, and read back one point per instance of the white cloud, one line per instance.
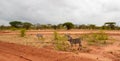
(3, 22)
(59, 11)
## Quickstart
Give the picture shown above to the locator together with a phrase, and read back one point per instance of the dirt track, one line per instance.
(13, 52)
(49, 32)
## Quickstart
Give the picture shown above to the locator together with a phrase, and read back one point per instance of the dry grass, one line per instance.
(101, 52)
(30, 40)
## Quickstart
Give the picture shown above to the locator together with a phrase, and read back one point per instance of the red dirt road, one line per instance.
(14, 52)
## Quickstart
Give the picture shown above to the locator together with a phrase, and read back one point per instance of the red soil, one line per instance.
(14, 52)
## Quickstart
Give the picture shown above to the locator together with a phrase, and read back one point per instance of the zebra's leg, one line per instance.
(71, 45)
(80, 46)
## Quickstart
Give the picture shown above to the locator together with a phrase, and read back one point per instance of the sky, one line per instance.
(59, 11)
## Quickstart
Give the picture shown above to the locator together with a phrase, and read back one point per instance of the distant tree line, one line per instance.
(66, 25)
(18, 24)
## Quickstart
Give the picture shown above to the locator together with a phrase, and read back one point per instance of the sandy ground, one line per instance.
(15, 52)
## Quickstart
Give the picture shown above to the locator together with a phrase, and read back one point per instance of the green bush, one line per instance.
(96, 38)
(13, 29)
(61, 45)
(60, 42)
(22, 32)
(56, 36)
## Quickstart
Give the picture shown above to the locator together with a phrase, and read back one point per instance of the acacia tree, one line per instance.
(110, 25)
(27, 25)
(68, 25)
(16, 24)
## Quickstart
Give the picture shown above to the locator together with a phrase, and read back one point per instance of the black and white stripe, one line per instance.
(39, 36)
(74, 41)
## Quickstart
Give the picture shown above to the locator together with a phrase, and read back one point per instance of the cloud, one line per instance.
(3, 22)
(59, 11)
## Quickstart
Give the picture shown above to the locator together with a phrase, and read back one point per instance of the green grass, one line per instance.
(96, 38)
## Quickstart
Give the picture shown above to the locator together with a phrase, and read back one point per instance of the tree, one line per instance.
(83, 26)
(60, 26)
(68, 25)
(41, 26)
(92, 26)
(16, 24)
(54, 27)
(2, 27)
(110, 25)
(49, 26)
(27, 25)
(37, 26)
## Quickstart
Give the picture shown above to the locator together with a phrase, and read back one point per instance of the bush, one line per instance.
(13, 29)
(96, 38)
(56, 36)
(60, 42)
(61, 45)
(22, 32)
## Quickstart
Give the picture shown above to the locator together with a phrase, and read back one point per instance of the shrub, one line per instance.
(56, 36)
(61, 45)
(13, 28)
(60, 42)
(96, 38)
(22, 32)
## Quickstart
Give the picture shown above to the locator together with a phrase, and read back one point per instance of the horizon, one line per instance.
(117, 24)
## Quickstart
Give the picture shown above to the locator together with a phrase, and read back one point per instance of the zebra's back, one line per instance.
(75, 41)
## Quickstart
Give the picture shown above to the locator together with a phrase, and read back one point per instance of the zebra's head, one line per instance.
(69, 37)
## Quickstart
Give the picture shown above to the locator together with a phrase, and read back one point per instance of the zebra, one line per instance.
(74, 41)
(39, 36)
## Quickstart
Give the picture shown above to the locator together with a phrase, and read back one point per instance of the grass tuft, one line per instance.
(22, 32)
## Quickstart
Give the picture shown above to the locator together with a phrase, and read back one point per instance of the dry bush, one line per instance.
(60, 42)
